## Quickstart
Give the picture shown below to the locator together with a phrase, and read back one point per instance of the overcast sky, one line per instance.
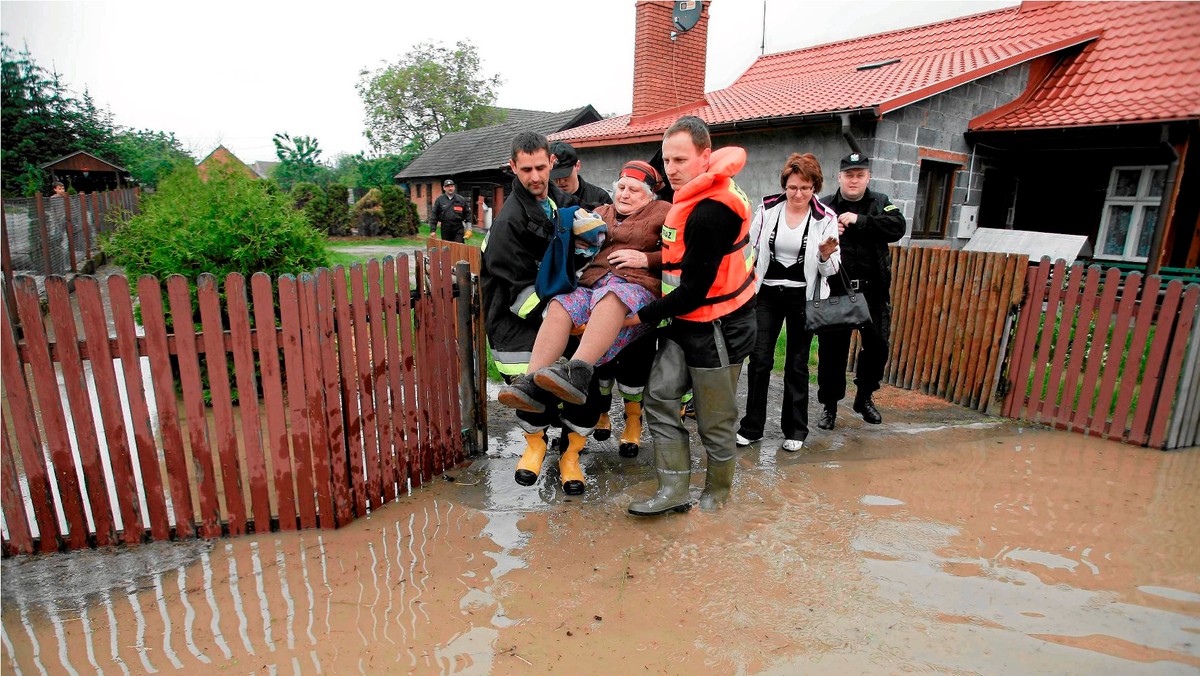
(235, 73)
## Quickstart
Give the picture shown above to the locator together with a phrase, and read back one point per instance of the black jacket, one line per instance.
(512, 252)
(444, 210)
(864, 244)
(590, 196)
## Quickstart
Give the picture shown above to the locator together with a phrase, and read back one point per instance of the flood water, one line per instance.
(965, 545)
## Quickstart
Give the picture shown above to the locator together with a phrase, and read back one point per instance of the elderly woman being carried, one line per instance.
(621, 278)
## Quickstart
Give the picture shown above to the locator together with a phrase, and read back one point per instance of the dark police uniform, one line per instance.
(451, 211)
(867, 262)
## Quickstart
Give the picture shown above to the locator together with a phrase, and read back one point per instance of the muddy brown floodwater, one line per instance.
(939, 541)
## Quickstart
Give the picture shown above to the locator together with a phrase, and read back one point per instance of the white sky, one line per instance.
(235, 73)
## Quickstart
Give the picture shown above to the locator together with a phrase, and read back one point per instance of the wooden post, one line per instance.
(45, 234)
(466, 362)
(7, 268)
(70, 235)
(83, 220)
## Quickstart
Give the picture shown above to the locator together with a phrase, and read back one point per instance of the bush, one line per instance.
(367, 214)
(335, 218)
(399, 216)
(309, 199)
(231, 223)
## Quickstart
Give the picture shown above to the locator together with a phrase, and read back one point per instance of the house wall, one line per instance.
(893, 143)
(938, 123)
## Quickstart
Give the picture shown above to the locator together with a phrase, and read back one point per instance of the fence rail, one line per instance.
(349, 400)
(1106, 355)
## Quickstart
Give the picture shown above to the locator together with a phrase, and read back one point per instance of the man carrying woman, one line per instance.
(795, 239)
(620, 280)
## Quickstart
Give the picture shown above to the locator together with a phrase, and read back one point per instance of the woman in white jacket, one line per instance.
(795, 239)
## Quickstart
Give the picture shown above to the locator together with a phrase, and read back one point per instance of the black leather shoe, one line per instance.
(828, 419)
(867, 409)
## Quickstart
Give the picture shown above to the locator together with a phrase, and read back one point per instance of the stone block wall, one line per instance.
(939, 123)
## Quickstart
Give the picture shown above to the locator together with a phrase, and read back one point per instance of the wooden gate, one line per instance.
(353, 400)
(950, 311)
(1106, 355)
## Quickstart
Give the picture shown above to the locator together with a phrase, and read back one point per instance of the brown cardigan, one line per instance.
(641, 231)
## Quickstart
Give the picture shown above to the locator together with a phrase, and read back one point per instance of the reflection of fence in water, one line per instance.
(371, 405)
(393, 594)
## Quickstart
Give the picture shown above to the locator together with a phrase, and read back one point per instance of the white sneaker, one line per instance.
(792, 445)
(743, 441)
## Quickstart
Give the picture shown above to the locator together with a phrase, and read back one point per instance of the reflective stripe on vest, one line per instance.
(511, 363)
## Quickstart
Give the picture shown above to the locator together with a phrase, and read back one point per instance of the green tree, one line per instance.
(335, 217)
(299, 162)
(43, 121)
(149, 155)
(309, 199)
(431, 91)
(362, 172)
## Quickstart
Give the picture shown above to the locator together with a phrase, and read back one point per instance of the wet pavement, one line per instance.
(942, 540)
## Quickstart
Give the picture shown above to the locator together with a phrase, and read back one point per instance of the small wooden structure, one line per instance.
(85, 172)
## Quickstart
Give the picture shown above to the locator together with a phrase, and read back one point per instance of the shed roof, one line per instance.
(1135, 62)
(488, 148)
(82, 158)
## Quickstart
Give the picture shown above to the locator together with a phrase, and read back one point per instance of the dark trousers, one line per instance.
(452, 232)
(833, 351)
(775, 306)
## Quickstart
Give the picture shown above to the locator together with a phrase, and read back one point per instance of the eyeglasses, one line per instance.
(803, 188)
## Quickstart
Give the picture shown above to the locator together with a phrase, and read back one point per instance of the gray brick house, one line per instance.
(1060, 117)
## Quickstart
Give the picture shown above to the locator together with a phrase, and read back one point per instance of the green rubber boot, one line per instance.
(718, 480)
(674, 464)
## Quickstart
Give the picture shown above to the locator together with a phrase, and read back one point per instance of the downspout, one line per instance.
(847, 134)
(1168, 197)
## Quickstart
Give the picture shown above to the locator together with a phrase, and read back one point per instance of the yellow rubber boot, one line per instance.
(530, 464)
(631, 437)
(603, 429)
(569, 471)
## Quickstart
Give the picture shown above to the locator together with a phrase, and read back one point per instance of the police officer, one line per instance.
(451, 210)
(565, 175)
(867, 223)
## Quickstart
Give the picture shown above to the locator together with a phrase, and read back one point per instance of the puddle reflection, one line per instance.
(408, 589)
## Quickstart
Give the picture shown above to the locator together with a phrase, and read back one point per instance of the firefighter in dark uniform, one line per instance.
(512, 252)
(450, 210)
(867, 223)
(565, 175)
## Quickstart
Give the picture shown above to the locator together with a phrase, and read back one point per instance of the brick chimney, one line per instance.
(668, 65)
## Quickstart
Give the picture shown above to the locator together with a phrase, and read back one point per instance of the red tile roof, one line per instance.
(1140, 62)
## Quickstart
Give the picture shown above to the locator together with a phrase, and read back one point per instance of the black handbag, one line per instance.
(837, 313)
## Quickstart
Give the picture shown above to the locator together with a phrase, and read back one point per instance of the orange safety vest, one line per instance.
(734, 285)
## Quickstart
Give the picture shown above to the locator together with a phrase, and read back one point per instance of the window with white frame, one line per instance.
(1130, 213)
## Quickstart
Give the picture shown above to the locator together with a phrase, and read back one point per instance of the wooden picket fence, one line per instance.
(1106, 355)
(949, 314)
(358, 380)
